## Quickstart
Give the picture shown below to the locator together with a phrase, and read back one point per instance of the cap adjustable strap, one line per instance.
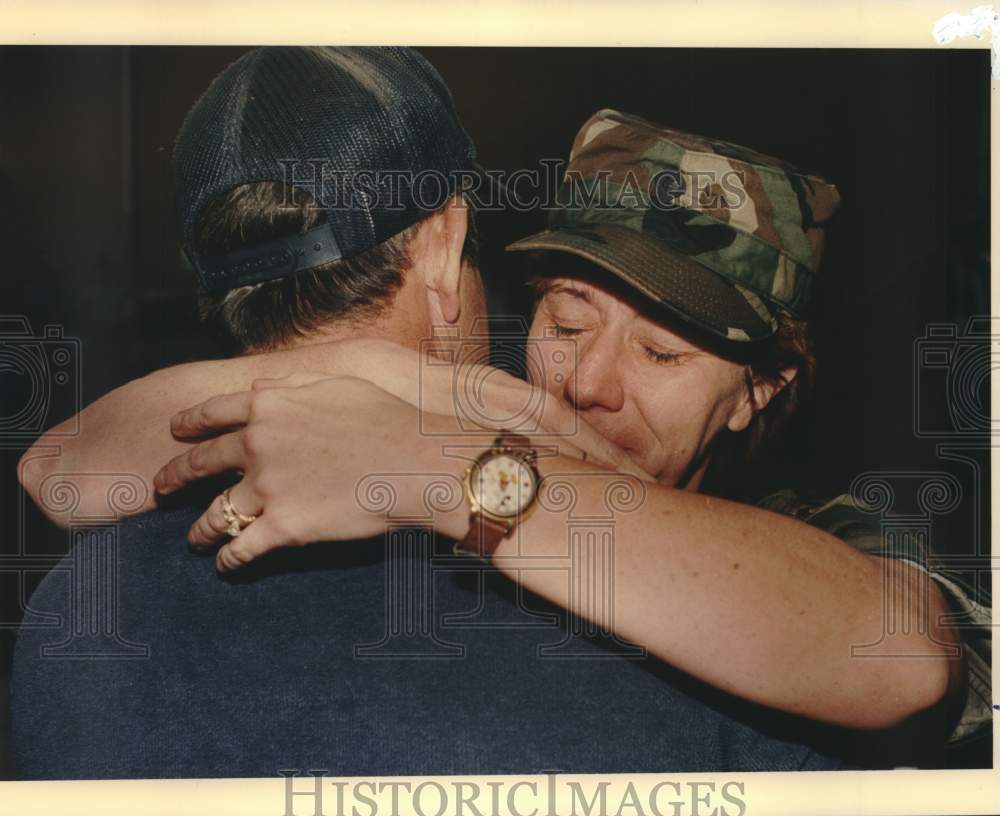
(267, 261)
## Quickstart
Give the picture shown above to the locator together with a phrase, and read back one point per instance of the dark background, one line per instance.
(88, 241)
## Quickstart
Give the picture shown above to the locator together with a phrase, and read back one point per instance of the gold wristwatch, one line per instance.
(501, 485)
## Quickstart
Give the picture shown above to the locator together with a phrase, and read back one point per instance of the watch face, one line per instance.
(503, 485)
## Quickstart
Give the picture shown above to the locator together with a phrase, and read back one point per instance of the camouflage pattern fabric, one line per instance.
(841, 517)
(721, 235)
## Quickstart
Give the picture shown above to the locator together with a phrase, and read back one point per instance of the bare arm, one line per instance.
(127, 431)
(755, 603)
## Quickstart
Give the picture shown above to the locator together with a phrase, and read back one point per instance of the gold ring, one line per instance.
(236, 520)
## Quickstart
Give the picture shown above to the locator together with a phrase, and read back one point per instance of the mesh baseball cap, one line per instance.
(370, 133)
(720, 235)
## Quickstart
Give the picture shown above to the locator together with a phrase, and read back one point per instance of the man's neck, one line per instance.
(398, 332)
(321, 351)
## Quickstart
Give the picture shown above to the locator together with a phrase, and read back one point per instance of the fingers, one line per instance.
(208, 458)
(255, 540)
(213, 415)
(211, 526)
(232, 410)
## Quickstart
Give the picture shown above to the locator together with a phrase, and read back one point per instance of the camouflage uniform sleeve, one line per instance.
(842, 518)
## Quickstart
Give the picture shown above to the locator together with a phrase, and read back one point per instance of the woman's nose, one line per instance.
(595, 380)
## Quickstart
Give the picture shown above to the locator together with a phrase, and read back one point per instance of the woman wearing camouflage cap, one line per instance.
(677, 319)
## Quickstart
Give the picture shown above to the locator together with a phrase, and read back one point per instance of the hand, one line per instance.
(476, 390)
(302, 450)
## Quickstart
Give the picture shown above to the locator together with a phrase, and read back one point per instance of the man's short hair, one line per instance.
(268, 315)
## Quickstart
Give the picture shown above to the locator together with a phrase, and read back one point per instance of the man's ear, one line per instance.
(440, 240)
(763, 391)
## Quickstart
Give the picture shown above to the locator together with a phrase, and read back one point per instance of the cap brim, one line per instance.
(685, 288)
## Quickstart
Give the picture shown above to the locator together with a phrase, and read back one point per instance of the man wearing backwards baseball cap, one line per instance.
(684, 320)
(301, 668)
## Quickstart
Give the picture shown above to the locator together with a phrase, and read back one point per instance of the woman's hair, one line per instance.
(790, 347)
(267, 315)
(763, 361)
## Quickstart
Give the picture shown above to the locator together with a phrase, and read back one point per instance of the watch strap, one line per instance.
(508, 439)
(484, 536)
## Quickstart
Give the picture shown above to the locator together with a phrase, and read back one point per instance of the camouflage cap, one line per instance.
(721, 235)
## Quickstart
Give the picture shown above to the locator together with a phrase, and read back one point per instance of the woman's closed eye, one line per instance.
(566, 331)
(661, 357)
(569, 311)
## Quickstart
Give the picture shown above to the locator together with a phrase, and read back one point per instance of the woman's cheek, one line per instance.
(678, 424)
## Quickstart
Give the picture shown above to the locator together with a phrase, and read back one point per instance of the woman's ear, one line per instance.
(441, 259)
(757, 394)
